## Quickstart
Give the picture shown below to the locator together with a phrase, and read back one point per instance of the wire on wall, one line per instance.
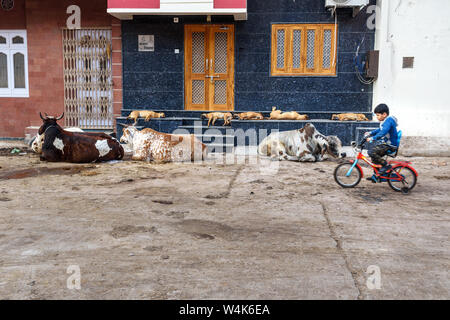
(359, 66)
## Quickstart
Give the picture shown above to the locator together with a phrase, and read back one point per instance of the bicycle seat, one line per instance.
(393, 149)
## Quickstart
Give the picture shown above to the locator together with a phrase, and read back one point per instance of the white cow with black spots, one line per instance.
(305, 145)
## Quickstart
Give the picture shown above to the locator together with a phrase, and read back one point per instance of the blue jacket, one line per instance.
(387, 132)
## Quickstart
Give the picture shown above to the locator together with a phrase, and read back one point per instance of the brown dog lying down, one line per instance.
(292, 115)
(249, 116)
(349, 117)
(145, 114)
(213, 116)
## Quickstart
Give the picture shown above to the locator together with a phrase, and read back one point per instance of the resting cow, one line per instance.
(151, 145)
(306, 144)
(38, 140)
(60, 145)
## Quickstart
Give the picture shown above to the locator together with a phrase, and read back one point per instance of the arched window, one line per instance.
(17, 40)
(19, 71)
(13, 64)
(3, 70)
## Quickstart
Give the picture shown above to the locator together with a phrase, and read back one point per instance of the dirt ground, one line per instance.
(219, 231)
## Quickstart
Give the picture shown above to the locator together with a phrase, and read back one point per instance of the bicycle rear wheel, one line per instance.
(407, 182)
(340, 175)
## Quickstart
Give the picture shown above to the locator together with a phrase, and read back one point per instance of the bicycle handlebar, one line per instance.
(362, 143)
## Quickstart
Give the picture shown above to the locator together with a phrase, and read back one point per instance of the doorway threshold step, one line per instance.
(205, 127)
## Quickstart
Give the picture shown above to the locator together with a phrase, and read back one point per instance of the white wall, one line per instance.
(419, 97)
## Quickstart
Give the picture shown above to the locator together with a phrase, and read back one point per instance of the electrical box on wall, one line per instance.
(346, 3)
(356, 5)
(408, 62)
(372, 61)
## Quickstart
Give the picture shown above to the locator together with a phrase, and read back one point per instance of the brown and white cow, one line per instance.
(60, 145)
(305, 145)
(150, 145)
(37, 142)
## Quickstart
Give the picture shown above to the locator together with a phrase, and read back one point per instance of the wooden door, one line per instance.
(209, 67)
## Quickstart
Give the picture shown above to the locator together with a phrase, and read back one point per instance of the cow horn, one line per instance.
(40, 114)
(59, 118)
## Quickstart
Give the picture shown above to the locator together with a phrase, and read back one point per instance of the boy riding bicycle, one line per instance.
(386, 138)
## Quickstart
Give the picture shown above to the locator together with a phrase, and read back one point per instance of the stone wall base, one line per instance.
(425, 147)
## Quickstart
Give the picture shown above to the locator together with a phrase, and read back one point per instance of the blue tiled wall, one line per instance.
(156, 79)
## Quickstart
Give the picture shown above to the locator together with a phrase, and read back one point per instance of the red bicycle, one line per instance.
(401, 178)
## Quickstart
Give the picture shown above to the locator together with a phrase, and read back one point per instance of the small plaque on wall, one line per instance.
(146, 42)
(408, 62)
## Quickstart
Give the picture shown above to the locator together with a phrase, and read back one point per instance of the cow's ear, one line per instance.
(332, 143)
(330, 140)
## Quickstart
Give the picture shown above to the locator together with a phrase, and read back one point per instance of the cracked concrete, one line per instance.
(342, 252)
(219, 231)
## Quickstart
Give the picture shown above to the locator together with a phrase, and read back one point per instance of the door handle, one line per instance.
(211, 78)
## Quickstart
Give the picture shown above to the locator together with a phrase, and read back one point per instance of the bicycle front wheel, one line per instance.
(344, 179)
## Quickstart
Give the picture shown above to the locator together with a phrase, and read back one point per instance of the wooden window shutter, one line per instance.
(303, 50)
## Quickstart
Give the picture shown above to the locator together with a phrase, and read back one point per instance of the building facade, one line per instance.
(294, 55)
(414, 42)
(187, 57)
(63, 70)
(158, 78)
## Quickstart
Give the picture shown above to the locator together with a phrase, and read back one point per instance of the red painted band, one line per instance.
(230, 4)
(134, 4)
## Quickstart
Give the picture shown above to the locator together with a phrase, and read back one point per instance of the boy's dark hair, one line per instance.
(382, 108)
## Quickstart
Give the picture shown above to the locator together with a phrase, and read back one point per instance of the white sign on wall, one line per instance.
(146, 42)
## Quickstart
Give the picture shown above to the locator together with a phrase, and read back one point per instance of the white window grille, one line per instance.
(280, 48)
(13, 64)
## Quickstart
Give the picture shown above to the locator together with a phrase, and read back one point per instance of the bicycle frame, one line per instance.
(376, 167)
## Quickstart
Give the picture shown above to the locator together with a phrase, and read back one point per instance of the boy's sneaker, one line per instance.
(384, 170)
